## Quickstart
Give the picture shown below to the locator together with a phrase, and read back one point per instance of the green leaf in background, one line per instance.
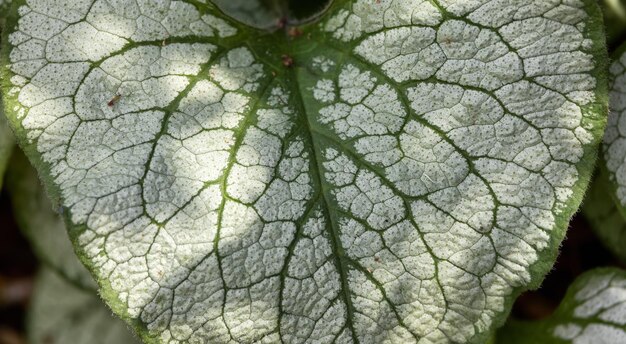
(65, 307)
(397, 172)
(608, 220)
(615, 22)
(62, 313)
(592, 312)
(6, 145)
(605, 216)
(42, 226)
(4, 7)
(6, 136)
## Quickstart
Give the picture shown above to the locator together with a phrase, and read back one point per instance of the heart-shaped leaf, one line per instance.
(396, 172)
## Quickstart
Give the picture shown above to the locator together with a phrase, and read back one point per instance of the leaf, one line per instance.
(42, 226)
(271, 14)
(6, 145)
(614, 13)
(4, 7)
(617, 7)
(397, 172)
(605, 217)
(62, 313)
(6, 136)
(593, 311)
(252, 12)
(613, 147)
(606, 205)
(65, 307)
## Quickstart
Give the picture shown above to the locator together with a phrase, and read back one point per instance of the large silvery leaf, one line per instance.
(592, 312)
(396, 172)
(42, 226)
(62, 313)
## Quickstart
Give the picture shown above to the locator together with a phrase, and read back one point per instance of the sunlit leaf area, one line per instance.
(325, 171)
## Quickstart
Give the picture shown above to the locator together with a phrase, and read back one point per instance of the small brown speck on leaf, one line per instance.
(294, 32)
(287, 61)
(282, 22)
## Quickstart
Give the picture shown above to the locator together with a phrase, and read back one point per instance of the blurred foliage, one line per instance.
(303, 9)
(615, 22)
